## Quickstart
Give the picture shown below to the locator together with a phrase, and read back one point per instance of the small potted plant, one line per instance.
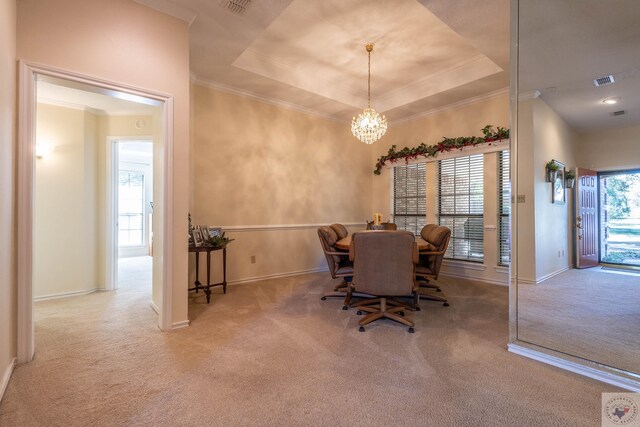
(218, 241)
(569, 179)
(552, 170)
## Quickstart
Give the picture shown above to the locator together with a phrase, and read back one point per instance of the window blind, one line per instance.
(461, 205)
(504, 207)
(409, 197)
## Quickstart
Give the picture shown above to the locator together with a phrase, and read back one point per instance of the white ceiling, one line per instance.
(310, 54)
(565, 45)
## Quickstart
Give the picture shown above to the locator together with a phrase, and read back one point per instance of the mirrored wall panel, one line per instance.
(578, 179)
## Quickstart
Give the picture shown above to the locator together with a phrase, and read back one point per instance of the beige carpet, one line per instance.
(591, 313)
(271, 353)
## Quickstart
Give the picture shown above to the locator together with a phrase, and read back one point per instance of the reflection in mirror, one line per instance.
(577, 243)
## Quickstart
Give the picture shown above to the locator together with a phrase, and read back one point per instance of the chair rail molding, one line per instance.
(279, 227)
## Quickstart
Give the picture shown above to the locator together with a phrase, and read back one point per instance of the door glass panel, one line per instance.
(130, 208)
(620, 218)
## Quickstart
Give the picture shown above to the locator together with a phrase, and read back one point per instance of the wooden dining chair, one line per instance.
(384, 267)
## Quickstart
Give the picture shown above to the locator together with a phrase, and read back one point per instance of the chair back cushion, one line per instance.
(328, 239)
(340, 230)
(438, 238)
(383, 262)
(426, 231)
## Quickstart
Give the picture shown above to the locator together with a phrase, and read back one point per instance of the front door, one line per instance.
(586, 218)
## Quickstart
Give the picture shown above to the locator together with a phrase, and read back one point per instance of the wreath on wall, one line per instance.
(489, 135)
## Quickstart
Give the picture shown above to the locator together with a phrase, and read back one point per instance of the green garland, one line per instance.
(447, 144)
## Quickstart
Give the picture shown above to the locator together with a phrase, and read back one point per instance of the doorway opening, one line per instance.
(70, 219)
(620, 217)
(132, 181)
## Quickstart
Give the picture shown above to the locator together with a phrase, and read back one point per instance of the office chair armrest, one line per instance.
(337, 253)
(432, 253)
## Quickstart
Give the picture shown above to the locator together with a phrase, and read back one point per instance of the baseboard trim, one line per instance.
(65, 294)
(154, 307)
(604, 375)
(475, 278)
(180, 325)
(6, 377)
(542, 278)
(277, 275)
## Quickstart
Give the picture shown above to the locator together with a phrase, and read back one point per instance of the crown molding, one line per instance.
(71, 105)
(171, 9)
(453, 106)
(273, 101)
(458, 75)
(530, 94)
(95, 111)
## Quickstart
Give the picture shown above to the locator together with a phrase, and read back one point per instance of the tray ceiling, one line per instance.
(310, 54)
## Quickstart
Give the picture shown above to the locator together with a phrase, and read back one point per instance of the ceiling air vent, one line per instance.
(237, 7)
(601, 81)
(618, 113)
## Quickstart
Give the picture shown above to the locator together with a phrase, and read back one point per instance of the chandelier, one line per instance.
(369, 126)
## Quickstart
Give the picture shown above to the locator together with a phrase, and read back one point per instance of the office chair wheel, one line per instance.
(446, 304)
(361, 329)
(411, 330)
(417, 308)
(344, 307)
(359, 312)
(323, 298)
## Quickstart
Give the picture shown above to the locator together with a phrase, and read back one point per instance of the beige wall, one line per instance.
(464, 120)
(610, 149)
(257, 165)
(545, 229)
(7, 186)
(65, 213)
(526, 228)
(553, 139)
(71, 194)
(127, 43)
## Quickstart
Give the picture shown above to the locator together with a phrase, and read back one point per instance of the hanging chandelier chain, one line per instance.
(369, 81)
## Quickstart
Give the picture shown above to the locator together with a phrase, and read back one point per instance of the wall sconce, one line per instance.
(43, 150)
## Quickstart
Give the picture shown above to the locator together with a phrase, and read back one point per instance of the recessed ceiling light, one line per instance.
(611, 101)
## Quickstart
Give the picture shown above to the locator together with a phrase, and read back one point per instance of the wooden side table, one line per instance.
(207, 288)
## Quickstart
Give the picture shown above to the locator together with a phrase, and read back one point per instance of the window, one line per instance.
(504, 208)
(461, 205)
(130, 208)
(409, 197)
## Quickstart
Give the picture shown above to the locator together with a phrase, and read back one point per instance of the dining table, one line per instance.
(345, 243)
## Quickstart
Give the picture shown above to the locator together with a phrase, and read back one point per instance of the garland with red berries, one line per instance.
(447, 144)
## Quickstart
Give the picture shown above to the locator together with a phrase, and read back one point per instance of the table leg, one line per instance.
(208, 289)
(224, 271)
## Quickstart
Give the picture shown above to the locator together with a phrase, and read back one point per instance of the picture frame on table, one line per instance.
(557, 186)
(214, 232)
(198, 239)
